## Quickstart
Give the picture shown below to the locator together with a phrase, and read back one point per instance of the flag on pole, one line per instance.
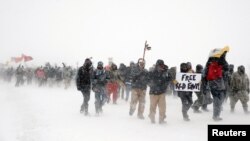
(17, 59)
(147, 47)
(27, 58)
(24, 58)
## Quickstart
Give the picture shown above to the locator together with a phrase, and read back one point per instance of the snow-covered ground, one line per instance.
(30, 113)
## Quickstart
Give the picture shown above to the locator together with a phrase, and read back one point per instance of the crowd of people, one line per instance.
(47, 75)
(219, 83)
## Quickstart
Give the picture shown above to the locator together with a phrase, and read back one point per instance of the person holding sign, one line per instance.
(185, 96)
(190, 68)
(216, 66)
(158, 82)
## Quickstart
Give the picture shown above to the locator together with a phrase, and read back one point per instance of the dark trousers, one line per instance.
(218, 98)
(86, 98)
(127, 91)
(100, 99)
(187, 101)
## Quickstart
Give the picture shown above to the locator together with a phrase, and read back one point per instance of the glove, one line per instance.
(175, 81)
(78, 88)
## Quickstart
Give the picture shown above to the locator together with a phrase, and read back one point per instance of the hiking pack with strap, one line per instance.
(214, 71)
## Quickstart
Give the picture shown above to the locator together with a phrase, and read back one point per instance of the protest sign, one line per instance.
(188, 82)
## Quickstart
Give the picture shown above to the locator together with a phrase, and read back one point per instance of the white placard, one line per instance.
(188, 82)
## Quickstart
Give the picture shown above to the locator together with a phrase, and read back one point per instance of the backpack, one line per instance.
(214, 71)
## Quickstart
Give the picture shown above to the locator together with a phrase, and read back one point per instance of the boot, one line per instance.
(100, 110)
(232, 110)
(197, 111)
(86, 110)
(185, 116)
(246, 110)
(131, 112)
(96, 108)
(186, 119)
(217, 118)
(82, 109)
(162, 122)
(152, 119)
(140, 116)
(204, 108)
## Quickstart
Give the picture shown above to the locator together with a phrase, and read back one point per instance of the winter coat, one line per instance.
(100, 79)
(113, 75)
(140, 78)
(20, 71)
(239, 82)
(40, 74)
(122, 74)
(83, 80)
(128, 77)
(158, 82)
(67, 73)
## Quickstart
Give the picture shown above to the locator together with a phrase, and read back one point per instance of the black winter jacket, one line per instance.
(83, 78)
(100, 78)
(140, 78)
(158, 82)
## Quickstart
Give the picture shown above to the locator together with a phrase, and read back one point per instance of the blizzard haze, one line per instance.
(68, 31)
(32, 113)
(71, 30)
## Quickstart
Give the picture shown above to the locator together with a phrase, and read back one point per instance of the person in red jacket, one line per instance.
(113, 85)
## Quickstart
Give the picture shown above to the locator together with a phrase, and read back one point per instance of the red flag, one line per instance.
(27, 58)
(16, 59)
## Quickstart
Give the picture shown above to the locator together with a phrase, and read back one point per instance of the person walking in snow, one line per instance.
(158, 81)
(67, 76)
(215, 67)
(240, 89)
(83, 83)
(19, 75)
(128, 79)
(41, 76)
(203, 97)
(100, 79)
(139, 87)
(227, 79)
(113, 85)
(122, 75)
(185, 96)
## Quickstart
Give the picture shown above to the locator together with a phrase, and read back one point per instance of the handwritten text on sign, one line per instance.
(188, 82)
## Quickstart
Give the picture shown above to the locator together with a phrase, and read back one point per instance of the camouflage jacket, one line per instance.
(239, 82)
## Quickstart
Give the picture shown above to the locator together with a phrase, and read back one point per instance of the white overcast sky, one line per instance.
(71, 30)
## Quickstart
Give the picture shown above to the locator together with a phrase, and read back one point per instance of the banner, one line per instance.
(188, 82)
